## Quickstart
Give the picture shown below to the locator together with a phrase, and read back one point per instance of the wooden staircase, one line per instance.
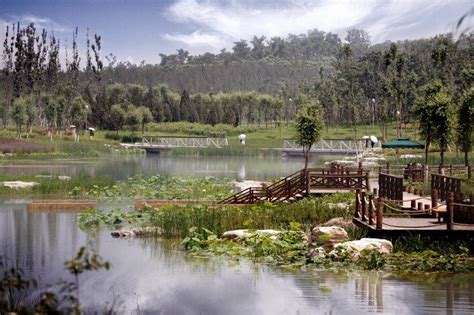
(298, 185)
(288, 189)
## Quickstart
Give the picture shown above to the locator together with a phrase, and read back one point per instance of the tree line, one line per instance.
(355, 82)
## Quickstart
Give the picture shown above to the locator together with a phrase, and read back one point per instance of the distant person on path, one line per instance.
(74, 133)
(242, 138)
(91, 133)
(50, 132)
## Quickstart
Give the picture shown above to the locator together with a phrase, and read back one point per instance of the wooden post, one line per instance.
(450, 208)
(364, 205)
(357, 204)
(413, 204)
(388, 167)
(469, 171)
(308, 184)
(379, 222)
(434, 198)
(371, 210)
(450, 169)
(367, 181)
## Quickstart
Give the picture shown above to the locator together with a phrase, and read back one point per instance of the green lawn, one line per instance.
(257, 138)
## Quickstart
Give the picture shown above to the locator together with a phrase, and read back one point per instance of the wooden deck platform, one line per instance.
(60, 206)
(415, 226)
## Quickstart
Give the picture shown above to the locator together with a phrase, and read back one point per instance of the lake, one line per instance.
(156, 276)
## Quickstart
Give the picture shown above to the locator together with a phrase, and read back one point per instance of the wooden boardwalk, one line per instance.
(414, 215)
(60, 206)
(414, 224)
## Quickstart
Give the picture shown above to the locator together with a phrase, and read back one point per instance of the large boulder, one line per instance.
(340, 222)
(18, 184)
(135, 232)
(243, 234)
(316, 252)
(355, 248)
(328, 236)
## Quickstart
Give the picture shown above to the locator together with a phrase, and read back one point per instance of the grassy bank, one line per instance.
(39, 146)
(52, 185)
(257, 136)
(260, 140)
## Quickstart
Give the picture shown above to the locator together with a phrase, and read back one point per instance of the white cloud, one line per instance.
(228, 21)
(199, 39)
(40, 23)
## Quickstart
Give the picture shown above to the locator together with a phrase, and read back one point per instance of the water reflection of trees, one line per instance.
(381, 292)
(447, 291)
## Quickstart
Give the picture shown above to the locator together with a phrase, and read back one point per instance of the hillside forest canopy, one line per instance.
(261, 82)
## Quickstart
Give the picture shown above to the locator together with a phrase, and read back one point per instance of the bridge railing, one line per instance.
(184, 142)
(333, 145)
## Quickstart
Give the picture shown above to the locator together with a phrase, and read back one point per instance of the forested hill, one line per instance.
(260, 82)
(265, 65)
(261, 64)
(242, 75)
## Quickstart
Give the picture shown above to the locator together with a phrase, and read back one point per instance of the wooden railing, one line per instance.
(322, 179)
(301, 183)
(371, 211)
(416, 172)
(391, 186)
(444, 184)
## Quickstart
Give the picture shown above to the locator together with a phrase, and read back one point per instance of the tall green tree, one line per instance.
(78, 112)
(309, 125)
(117, 117)
(145, 117)
(466, 124)
(435, 116)
(134, 117)
(31, 113)
(18, 114)
(443, 120)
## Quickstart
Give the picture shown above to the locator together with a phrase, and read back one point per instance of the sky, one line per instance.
(135, 30)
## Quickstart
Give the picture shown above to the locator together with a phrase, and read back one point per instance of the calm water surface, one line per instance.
(258, 168)
(155, 276)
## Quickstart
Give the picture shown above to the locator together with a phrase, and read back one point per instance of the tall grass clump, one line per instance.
(83, 148)
(175, 221)
(416, 243)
